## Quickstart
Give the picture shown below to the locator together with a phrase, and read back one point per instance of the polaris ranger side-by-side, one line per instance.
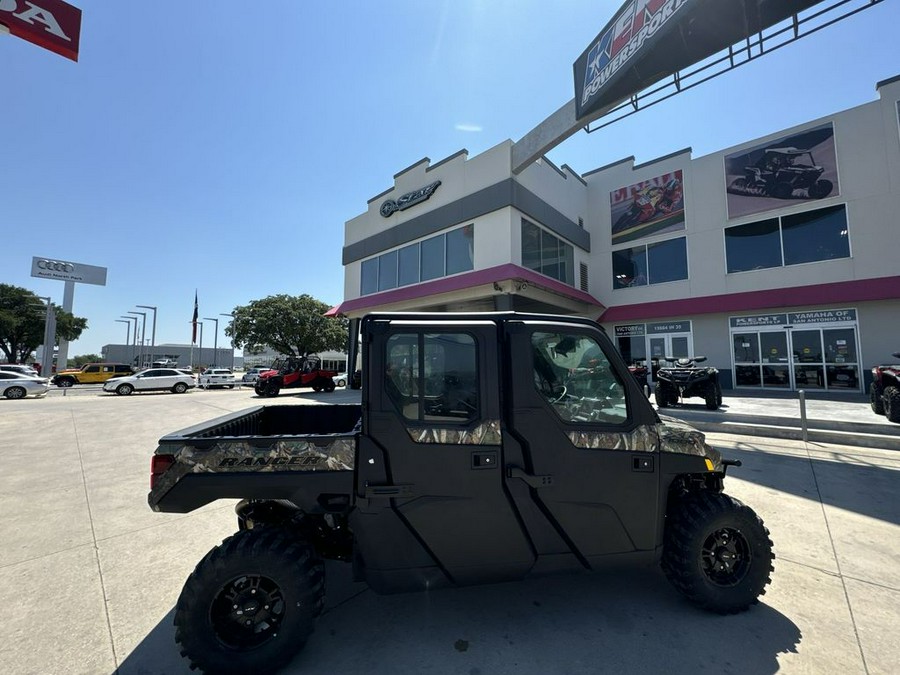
(488, 447)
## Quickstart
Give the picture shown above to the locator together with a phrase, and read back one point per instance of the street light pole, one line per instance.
(143, 334)
(232, 340)
(134, 343)
(153, 337)
(127, 330)
(215, 340)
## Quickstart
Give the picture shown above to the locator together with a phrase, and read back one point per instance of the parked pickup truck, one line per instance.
(488, 447)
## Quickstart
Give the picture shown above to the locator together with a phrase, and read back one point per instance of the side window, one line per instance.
(573, 375)
(107, 369)
(92, 369)
(433, 377)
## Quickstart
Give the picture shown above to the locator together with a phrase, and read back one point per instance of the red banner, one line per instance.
(51, 24)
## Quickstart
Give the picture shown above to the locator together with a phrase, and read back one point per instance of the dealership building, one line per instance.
(776, 259)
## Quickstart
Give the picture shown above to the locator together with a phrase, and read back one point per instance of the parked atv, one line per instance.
(685, 379)
(291, 373)
(884, 392)
(779, 173)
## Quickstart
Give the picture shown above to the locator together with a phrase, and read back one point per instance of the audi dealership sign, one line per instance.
(63, 270)
(51, 24)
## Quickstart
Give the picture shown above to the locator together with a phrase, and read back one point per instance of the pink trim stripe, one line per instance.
(884, 288)
(462, 281)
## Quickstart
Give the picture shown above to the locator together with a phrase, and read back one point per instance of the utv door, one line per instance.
(430, 490)
(588, 439)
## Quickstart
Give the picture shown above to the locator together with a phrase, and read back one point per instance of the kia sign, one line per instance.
(649, 40)
(51, 24)
(63, 270)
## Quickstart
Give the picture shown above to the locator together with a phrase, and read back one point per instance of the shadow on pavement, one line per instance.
(849, 484)
(625, 621)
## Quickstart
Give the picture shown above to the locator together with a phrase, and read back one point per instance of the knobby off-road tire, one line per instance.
(875, 400)
(717, 552)
(250, 604)
(661, 397)
(713, 397)
(892, 403)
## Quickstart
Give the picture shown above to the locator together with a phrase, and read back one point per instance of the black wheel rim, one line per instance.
(247, 612)
(726, 557)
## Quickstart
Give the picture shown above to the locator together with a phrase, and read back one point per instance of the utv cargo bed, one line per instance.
(258, 453)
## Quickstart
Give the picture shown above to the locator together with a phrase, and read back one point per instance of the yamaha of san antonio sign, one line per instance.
(391, 206)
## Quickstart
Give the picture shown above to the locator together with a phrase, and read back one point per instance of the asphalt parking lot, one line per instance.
(90, 575)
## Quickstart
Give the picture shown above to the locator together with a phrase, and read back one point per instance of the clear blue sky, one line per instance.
(221, 145)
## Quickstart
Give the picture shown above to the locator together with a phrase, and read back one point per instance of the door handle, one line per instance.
(484, 459)
(538, 481)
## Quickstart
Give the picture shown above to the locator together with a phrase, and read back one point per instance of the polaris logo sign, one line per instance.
(638, 21)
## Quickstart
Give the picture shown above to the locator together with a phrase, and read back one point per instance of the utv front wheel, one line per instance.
(717, 552)
(820, 189)
(713, 397)
(250, 604)
(662, 400)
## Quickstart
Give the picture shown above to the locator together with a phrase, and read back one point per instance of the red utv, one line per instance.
(293, 372)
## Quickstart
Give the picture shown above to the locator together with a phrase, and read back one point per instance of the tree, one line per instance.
(22, 323)
(291, 325)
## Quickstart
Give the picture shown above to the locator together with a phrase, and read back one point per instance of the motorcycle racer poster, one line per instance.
(796, 168)
(651, 207)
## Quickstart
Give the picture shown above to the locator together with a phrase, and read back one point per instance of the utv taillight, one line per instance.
(158, 466)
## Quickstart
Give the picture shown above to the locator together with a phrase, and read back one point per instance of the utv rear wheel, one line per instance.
(250, 604)
(713, 397)
(875, 398)
(717, 552)
(892, 404)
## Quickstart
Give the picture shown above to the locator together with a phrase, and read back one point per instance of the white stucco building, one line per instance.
(776, 258)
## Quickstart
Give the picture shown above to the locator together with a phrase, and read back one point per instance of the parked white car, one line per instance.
(340, 380)
(252, 374)
(19, 385)
(216, 377)
(152, 379)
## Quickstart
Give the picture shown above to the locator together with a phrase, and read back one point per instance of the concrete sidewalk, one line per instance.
(844, 419)
(90, 575)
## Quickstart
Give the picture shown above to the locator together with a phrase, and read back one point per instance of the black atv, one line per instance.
(781, 171)
(685, 379)
(884, 392)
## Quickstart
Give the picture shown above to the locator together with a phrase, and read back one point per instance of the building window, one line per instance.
(811, 236)
(547, 254)
(650, 264)
(433, 258)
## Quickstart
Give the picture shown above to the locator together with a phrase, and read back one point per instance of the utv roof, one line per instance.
(787, 151)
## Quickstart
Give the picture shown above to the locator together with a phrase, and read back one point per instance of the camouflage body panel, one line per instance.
(642, 439)
(671, 435)
(486, 433)
(238, 456)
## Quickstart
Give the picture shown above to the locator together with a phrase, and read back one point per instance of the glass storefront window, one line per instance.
(815, 235)
(547, 254)
(387, 271)
(667, 261)
(408, 265)
(432, 258)
(369, 276)
(840, 345)
(460, 243)
(629, 267)
(753, 246)
(746, 347)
